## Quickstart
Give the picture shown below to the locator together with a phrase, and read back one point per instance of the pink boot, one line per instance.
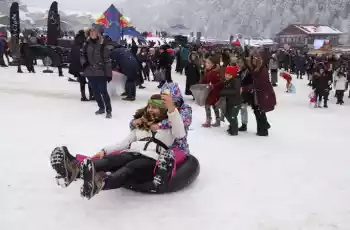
(207, 124)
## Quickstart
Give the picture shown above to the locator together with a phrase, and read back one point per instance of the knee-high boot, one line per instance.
(262, 124)
(82, 91)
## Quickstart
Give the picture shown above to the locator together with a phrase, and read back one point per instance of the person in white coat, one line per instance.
(133, 158)
(340, 86)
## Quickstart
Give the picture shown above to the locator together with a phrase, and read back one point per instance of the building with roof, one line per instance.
(303, 35)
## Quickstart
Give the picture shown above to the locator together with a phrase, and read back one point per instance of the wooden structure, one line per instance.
(303, 35)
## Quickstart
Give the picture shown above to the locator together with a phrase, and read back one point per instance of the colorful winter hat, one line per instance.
(232, 70)
(175, 92)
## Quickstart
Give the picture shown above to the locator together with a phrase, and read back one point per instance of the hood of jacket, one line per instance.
(175, 93)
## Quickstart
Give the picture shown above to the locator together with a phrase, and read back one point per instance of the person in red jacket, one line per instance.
(213, 79)
(286, 76)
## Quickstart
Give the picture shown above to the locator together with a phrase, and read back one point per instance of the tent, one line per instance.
(110, 20)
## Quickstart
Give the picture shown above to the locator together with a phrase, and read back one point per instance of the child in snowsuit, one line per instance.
(212, 78)
(286, 76)
(231, 91)
(340, 86)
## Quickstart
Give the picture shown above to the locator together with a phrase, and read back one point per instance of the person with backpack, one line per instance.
(97, 68)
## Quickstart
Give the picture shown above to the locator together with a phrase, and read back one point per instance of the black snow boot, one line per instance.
(109, 115)
(263, 125)
(100, 111)
(93, 182)
(243, 128)
(66, 166)
(129, 99)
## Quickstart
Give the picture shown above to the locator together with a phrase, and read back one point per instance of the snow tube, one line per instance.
(185, 173)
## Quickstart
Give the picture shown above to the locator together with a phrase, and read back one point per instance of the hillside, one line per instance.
(214, 18)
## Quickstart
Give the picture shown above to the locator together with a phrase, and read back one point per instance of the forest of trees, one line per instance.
(220, 18)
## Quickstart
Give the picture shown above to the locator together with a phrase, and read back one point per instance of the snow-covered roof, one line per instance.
(318, 29)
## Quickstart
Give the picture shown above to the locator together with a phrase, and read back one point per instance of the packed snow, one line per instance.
(295, 179)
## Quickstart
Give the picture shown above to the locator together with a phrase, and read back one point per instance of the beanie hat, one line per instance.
(98, 28)
(232, 70)
(157, 103)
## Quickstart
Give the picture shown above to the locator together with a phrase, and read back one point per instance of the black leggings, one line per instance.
(125, 167)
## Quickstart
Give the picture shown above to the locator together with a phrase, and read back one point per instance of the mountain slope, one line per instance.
(37, 17)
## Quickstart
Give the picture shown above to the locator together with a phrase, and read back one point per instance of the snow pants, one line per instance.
(321, 94)
(340, 96)
(125, 167)
(231, 116)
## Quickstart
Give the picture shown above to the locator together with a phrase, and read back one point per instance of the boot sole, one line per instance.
(58, 161)
(87, 171)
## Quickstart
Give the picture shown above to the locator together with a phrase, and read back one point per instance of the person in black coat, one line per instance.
(128, 65)
(321, 85)
(165, 62)
(27, 56)
(300, 65)
(75, 67)
(2, 52)
(192, 72)
(144, 59)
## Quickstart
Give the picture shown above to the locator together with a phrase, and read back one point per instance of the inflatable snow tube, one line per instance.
(186, 173)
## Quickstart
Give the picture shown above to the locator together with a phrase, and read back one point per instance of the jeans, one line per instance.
(99, 87)
(244, 114)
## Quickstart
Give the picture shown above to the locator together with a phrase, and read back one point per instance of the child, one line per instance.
(212, 78)
(231, 91)
(340, 85)
(286, 76)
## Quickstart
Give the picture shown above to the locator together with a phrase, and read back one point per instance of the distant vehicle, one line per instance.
(56, 55)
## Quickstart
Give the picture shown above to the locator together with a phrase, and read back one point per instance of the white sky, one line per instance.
(94, 6)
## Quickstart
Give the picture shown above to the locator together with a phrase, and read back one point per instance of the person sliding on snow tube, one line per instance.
(137, 154)
(180, 144)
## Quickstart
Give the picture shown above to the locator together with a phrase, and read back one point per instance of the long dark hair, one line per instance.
(149, 119)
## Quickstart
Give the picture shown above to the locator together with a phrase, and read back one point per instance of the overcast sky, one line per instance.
(94, 6)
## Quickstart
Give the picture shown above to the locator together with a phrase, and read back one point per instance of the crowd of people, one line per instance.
(91, 65)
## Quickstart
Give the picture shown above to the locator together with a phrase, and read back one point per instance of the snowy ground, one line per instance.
(296, 179)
